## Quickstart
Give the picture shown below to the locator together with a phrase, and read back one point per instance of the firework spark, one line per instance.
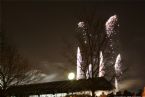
(118, 71)
(116, 85)
(89, 72)
(81, 24)
(110, 24)
(101, 66)
(117, 65)
(79, 61)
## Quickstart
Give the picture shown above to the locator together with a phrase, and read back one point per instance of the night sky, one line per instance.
(37, 29)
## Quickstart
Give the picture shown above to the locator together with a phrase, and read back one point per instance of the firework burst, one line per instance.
(110, 24)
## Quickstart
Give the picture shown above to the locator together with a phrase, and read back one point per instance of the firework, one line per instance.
(116, 85)
(79, 61)
(81, 24)
(89, 71)
(118, 71)
(110, 24)
(117, 65)
(101, 66)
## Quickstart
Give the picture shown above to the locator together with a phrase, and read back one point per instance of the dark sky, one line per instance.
(37, 28)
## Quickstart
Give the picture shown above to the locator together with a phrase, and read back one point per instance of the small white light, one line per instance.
(71, 76)
(81, 24)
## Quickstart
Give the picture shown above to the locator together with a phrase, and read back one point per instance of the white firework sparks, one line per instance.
(116, 85)
(117, 65)
(110, 24)
(89, 72)
(81, 24)
(118, 71)
(101, 66)
(79, 61)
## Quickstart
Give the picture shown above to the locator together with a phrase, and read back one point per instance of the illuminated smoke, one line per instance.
(110, 24)
(79, 61)
(101, 66)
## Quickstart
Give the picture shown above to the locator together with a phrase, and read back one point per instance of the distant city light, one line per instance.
(71, 76)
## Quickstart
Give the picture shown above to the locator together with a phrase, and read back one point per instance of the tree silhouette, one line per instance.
(14, 69)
